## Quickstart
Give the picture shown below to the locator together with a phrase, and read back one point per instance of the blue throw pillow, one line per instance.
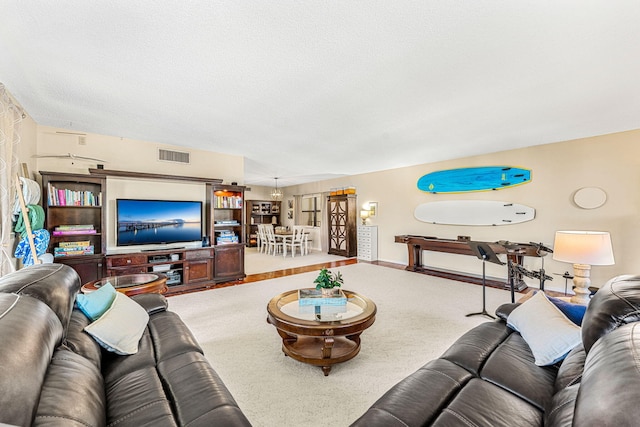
(575, 312)
(95, 303)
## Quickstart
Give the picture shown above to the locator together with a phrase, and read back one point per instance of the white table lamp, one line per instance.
(583, 249)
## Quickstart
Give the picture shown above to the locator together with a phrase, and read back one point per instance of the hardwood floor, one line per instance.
(288, 272)
(297, 270)
(291, 271)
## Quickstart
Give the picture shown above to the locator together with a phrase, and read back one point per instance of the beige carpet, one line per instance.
(418, 318)
(256, 262)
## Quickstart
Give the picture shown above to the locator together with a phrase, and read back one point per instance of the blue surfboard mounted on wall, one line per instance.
(464, 180)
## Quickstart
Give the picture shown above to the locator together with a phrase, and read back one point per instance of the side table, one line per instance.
(132, 284)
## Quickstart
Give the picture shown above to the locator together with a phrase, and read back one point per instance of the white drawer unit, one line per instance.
(368, 242)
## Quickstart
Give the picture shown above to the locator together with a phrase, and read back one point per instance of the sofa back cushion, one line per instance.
(72, 393)
(54, 284)
(615, 304)
(81, 342)
(570, 372)
(29, 332)
(609, 388)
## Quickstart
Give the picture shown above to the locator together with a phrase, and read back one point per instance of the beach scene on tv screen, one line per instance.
(142, 222)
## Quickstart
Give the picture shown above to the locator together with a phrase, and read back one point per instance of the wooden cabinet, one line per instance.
(368, 242)
(225, 215)
(186, 269)
(199, 265)
(75, 218)
(229, 263)
(261, 212)
(342, 212)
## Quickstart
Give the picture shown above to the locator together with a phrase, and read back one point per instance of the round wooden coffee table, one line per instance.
(321, 335)
(132, 284)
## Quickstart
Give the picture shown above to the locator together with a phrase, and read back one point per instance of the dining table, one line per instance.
(284, 234)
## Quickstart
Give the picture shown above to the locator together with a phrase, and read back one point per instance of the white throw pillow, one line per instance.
(120, 328)
(549, 333)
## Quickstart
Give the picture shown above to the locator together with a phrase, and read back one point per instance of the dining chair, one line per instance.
(296, 240)
(306, 241)
(261, 239)
(275, 246)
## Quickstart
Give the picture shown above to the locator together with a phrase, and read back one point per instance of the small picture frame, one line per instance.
(290, 203)
(373, 209)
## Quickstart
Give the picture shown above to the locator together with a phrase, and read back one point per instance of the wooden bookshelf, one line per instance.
(75, 217)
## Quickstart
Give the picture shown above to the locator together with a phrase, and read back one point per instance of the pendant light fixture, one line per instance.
(276, 194)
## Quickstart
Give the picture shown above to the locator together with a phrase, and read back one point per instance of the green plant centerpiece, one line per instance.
(327, 280)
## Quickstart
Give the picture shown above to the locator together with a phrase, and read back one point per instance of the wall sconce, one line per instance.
(364, 214)
(369, 210)
(373, 209)
(583, 249)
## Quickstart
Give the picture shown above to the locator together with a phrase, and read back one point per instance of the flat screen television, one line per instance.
(154, 222)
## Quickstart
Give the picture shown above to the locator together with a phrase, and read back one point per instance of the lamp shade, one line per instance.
(583, 247)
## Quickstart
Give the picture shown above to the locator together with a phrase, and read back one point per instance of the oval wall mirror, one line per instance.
(590, 197)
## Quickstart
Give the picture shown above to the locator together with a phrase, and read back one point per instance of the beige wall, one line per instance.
(611, 162)
(131, 155)
(137, 156)
(258, 192)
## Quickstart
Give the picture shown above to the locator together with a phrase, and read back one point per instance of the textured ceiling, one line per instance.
(307, 90)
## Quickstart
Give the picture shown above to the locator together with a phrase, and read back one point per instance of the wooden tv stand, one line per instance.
(186, 269)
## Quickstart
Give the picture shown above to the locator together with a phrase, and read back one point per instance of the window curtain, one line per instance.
(324, 224)
(297, 209)
(10, 117)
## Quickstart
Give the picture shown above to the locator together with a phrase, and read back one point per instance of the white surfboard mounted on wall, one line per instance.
(474, 212)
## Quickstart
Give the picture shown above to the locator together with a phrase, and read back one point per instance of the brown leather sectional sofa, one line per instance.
(488, 377)
(53, 373)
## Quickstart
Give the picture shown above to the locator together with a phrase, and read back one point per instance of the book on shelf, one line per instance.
(316, 297)
(226, 202)
(72, 232)
(84, 243)
(227, 222)
(70, 229)
(221, 240)
(74, 227)
(65, 197)
(73, 251)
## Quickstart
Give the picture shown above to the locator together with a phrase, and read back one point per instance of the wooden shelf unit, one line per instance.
(261, 212)
(225, 219)
(71, 200)
(194, 267)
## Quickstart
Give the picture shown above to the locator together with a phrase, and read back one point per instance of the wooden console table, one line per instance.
(515, 253)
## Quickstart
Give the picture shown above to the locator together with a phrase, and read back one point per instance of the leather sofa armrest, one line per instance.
(505, 310)
(153, 303)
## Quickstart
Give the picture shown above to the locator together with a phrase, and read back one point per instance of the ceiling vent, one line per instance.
(174, 156)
